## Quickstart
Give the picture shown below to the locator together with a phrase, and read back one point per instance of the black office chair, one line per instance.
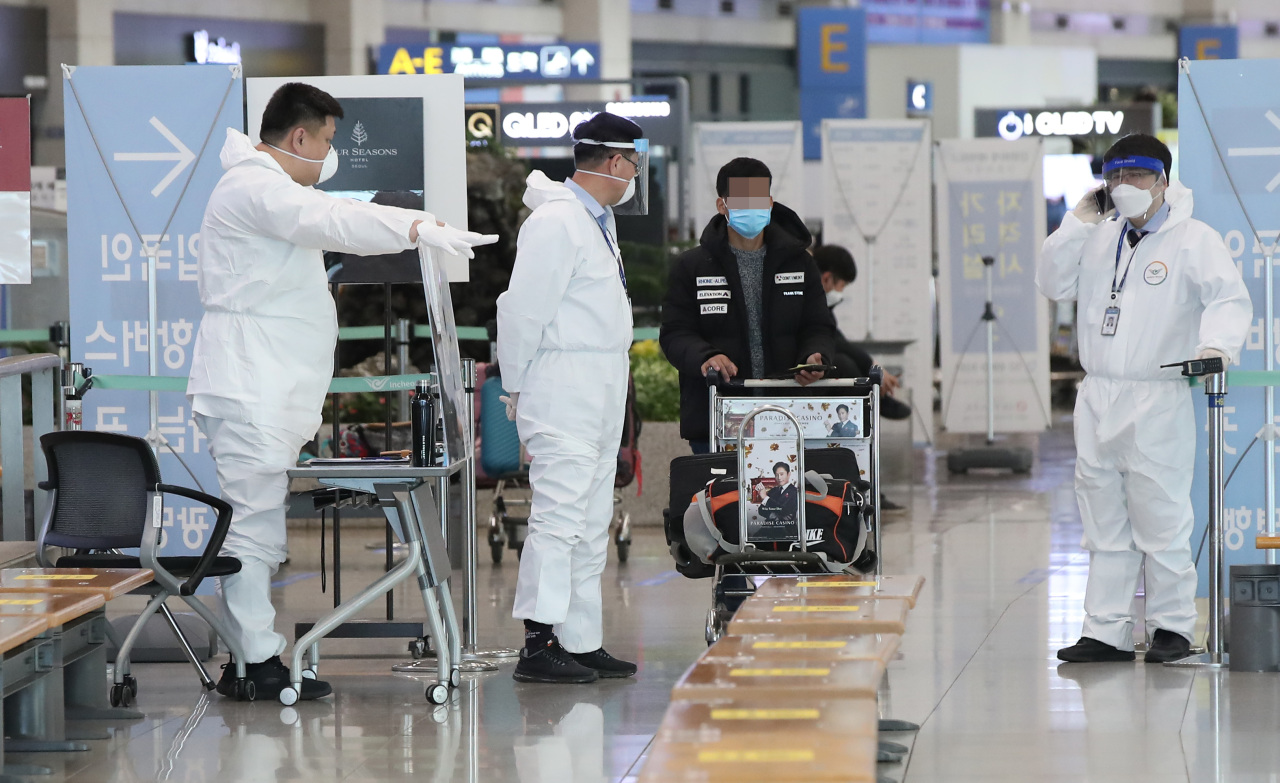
(105, 495)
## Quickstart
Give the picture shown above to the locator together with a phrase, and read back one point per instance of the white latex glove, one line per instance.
(511, 404)
(453, 241)
(1214, 353)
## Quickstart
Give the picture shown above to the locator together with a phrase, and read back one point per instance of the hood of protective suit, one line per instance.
(239, 149)
(785, 233)
(1181, 203)
(542, 189)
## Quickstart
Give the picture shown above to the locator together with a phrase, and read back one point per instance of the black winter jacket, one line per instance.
(797, 322)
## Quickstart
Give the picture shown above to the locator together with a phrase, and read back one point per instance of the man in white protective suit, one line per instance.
(263, 357)
(564, 329)
(1153, 286)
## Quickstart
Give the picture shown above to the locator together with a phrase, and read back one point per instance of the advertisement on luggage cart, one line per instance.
(1234, 100)
(142, 146)
(828, 423)
(772, 489)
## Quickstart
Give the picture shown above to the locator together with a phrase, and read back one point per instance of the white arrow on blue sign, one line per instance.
(181, 155)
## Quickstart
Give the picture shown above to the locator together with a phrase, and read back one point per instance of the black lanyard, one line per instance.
(1120, 246)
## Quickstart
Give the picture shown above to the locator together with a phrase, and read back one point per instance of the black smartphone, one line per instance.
(1102, 198)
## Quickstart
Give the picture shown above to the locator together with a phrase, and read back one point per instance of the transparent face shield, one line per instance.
(637, 157)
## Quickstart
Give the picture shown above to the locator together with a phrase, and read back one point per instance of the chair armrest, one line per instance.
(215, 538)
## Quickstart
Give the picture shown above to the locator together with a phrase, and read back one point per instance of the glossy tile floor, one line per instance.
(977, 670)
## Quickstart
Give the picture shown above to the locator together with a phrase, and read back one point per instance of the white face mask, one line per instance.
(627, 195)
(834, 297)
(328, 164)
(1132, 202)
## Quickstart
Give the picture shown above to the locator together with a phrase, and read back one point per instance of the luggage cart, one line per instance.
(734, 408)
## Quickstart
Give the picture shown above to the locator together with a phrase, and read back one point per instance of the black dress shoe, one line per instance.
(1167, 646)
(269, 678)
(893, 408)
(887, 506)
(1093, 651)
(552, 664)
(605, 664)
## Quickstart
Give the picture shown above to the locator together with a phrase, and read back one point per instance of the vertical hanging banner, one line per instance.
(989, 204)
(15, 191)
(1229, 139)
(876, 178)
(142, 158)
(778, 144)
(831, 46)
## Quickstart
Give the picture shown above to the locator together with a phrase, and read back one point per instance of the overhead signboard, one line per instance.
(1209, 42)
(1103, 119)
(15, 190)
(928, 21)
(552, 124)
(553, 62)
(832, 50)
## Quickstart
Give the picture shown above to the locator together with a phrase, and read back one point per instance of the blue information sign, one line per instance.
(1209, 42)
(552, 62)
(832, 50)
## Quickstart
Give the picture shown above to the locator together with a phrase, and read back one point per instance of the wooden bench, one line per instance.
(819, 585)
(110, 583)
(815, 645)
(799, 679)
(827, 614)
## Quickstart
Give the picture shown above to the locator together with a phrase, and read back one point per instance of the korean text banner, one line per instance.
(989, 204)
(15, 190)
(875, 182)
(142, 158)
(1233, 102)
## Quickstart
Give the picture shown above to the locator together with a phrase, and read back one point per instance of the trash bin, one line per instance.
(1255, 618)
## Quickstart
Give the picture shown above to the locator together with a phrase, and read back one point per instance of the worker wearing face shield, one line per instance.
(564, 330)
(263, 357)
(1153, 286)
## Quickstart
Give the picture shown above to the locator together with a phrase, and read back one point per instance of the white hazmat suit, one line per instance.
(263, 357)
(1134, 422)
(564, 329)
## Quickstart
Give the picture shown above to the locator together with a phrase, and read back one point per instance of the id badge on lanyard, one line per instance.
(1111, 316)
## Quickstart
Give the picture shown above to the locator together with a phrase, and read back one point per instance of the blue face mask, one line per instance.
(749, 222)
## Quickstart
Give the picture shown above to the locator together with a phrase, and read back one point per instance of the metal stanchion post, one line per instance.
(470, 650)
(1215, 389)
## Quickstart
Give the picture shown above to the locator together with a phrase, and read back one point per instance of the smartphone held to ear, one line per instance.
(1102, 198)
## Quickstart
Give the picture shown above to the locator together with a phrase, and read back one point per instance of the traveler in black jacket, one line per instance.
(747, 301)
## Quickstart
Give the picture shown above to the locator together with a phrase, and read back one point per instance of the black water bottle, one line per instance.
(422, 415)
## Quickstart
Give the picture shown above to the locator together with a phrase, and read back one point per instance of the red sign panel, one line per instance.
(15, 145)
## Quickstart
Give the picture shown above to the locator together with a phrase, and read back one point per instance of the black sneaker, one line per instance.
(893, 408)
(552, 664)
(605, 665)
(1167, 646)
(887, 506)
(269, 678)
(1093, 651)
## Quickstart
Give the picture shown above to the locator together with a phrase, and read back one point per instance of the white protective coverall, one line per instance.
(263, 357)
(564, 329)
(1134, 422)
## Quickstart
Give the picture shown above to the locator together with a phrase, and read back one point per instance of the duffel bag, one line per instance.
(836, 523)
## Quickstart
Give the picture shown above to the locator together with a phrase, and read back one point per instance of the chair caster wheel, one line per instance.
(131, 683)
(246, 690)
(455, 679)
(121, 696)
(308, 674)
(438, 693)
(288, 696)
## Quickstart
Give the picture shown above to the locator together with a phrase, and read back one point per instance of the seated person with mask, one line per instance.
(851, 360)
(747, 301)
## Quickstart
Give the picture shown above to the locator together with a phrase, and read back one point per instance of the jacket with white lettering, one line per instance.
(704, 315)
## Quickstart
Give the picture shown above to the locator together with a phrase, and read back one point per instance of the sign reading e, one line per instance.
(832, 46)
(1209, 42)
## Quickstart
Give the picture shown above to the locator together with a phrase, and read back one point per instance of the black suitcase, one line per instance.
(689, 476)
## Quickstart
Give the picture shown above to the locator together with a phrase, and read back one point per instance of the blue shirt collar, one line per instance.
(598, 212)
(1152, 226)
